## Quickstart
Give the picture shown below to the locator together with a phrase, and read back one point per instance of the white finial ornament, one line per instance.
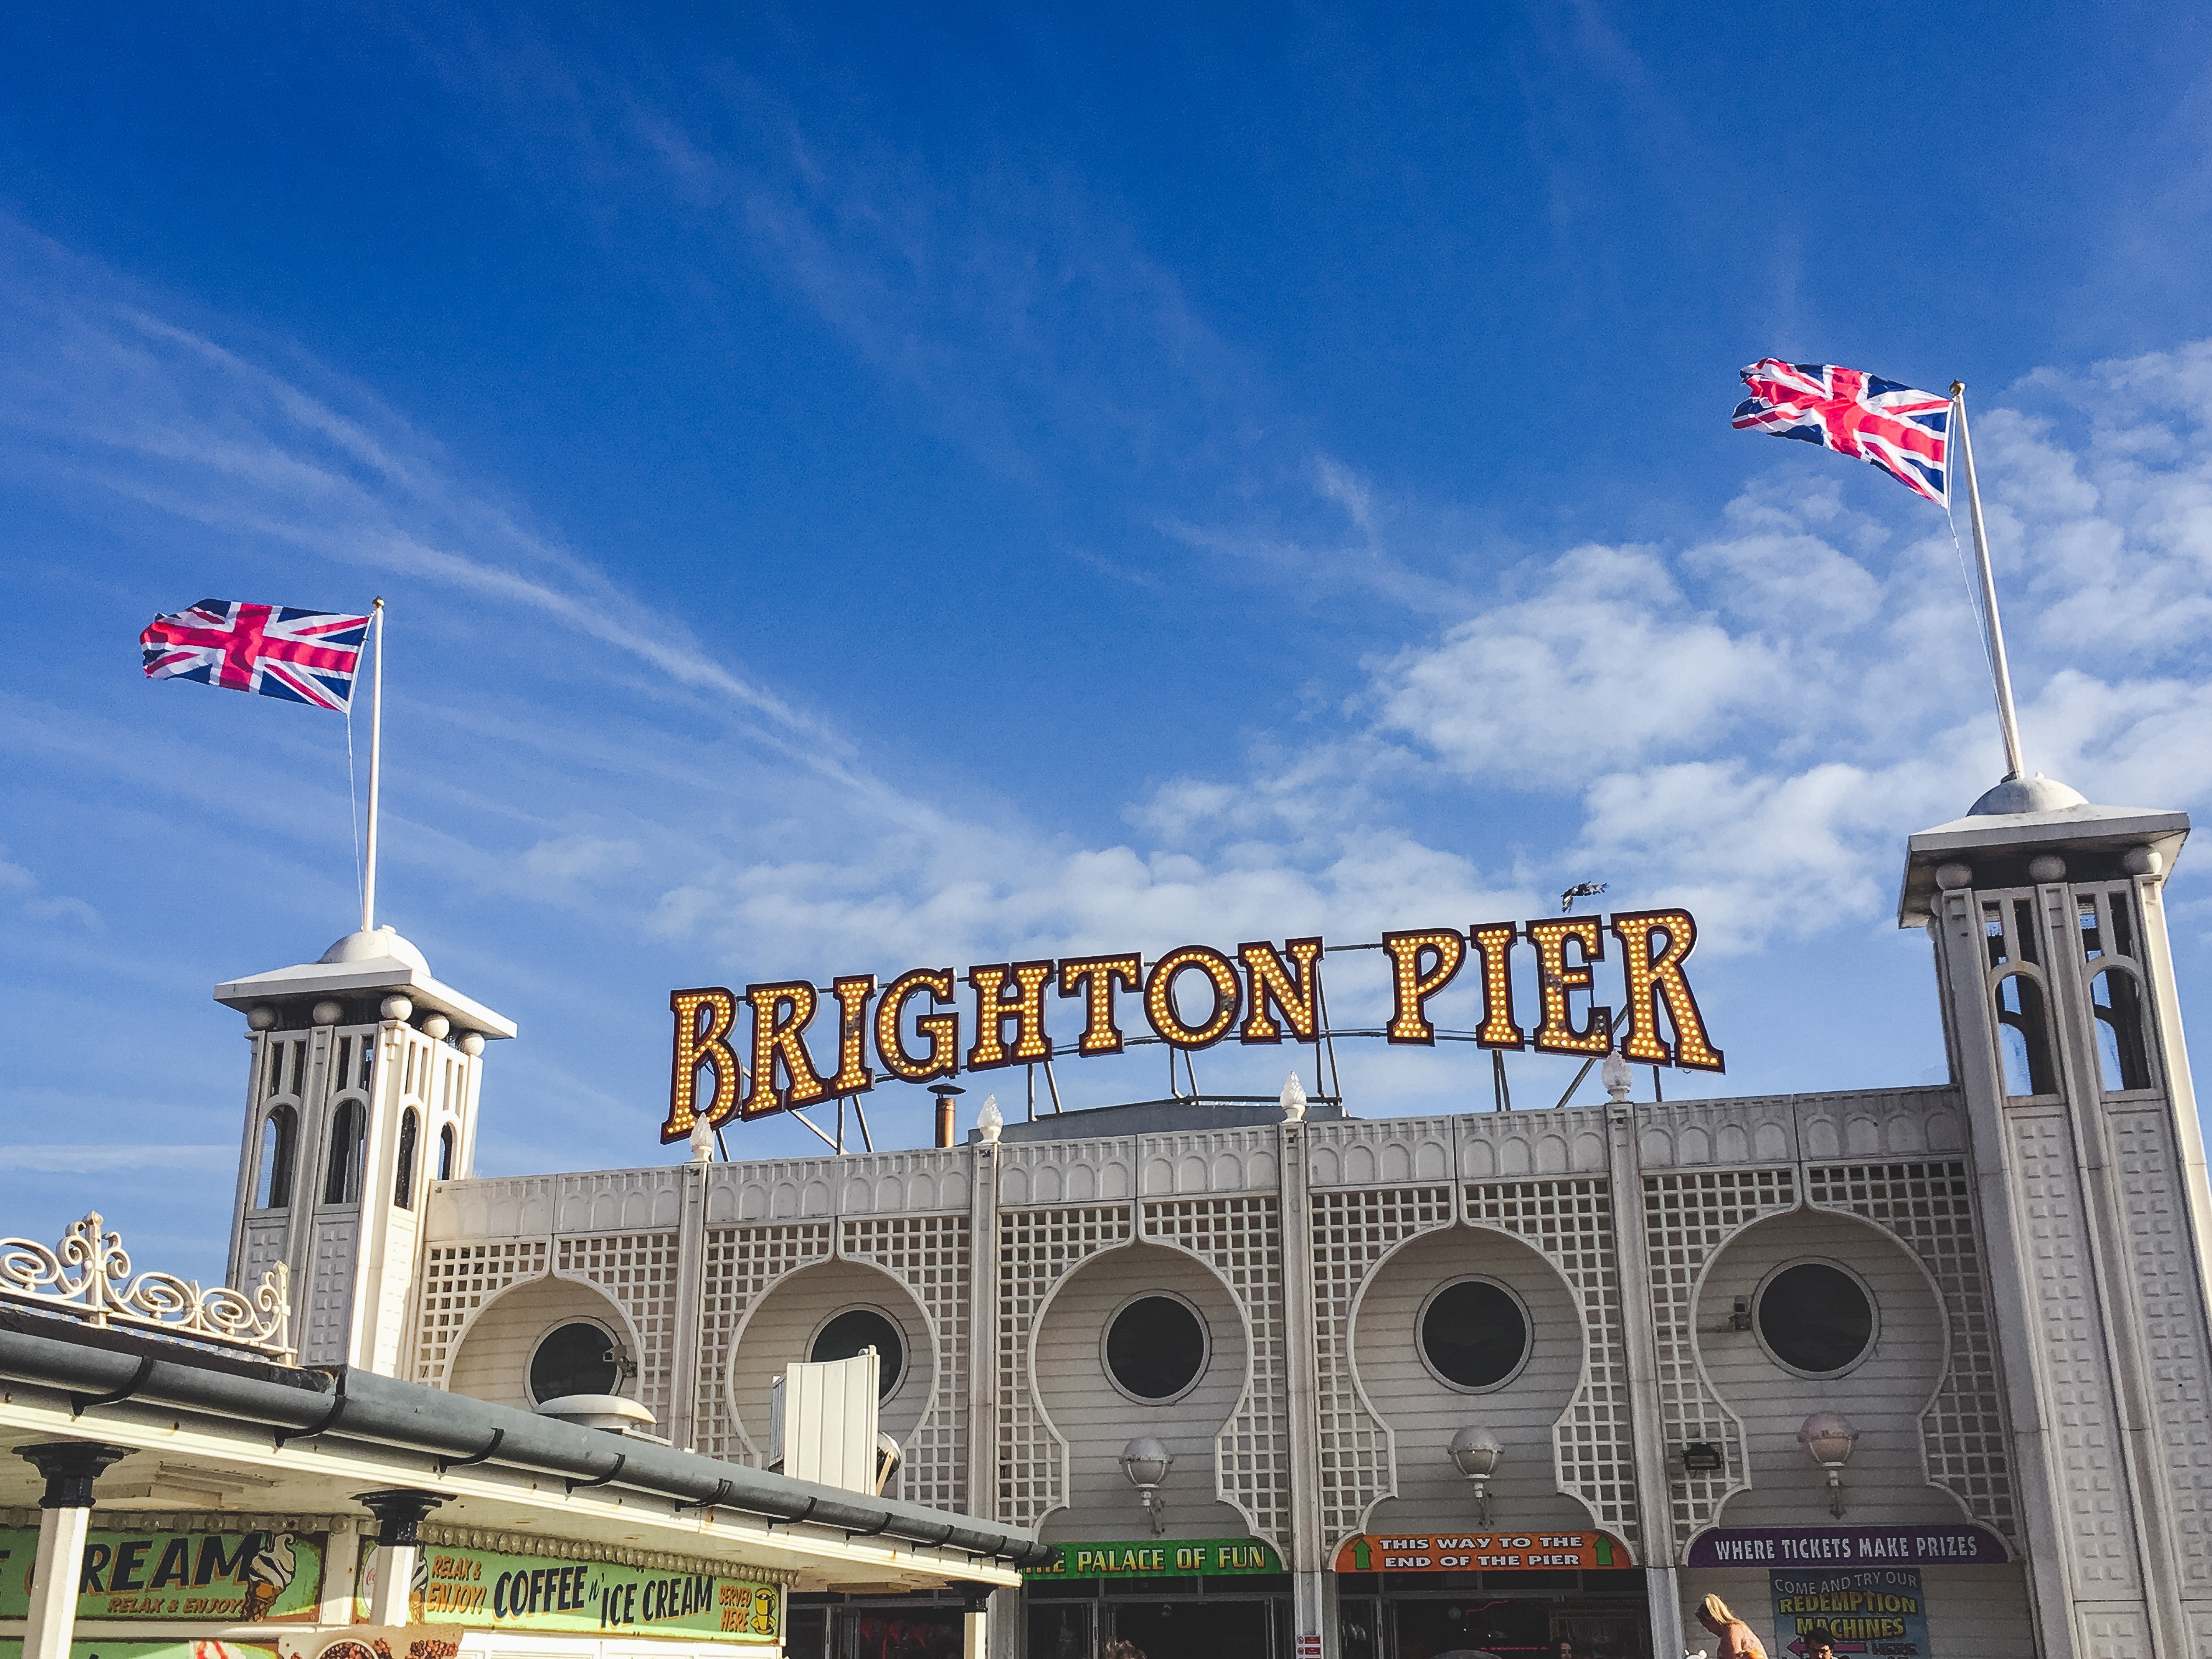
(1618, 1077)
(1294, 1100)
(702, 1140)
(990, 1120)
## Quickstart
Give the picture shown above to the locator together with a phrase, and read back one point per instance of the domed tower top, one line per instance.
(359, 972)
(362, 1092)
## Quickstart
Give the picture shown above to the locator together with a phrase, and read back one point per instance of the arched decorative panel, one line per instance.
(1037, 1249)
(741, 1264)
(1352, 1230)
(1571, 1223)
(1686, 1218)
(1241, 1239)
(928, 1255)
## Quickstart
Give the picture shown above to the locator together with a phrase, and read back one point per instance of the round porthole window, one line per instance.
(578, 1357)
(1814, 1318)
(1475, 1334)
(1155, 1348)
(856, 1329)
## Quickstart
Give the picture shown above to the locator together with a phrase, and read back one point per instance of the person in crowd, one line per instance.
(1736, 1639)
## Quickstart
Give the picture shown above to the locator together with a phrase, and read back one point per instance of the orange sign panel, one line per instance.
(1490, 1551)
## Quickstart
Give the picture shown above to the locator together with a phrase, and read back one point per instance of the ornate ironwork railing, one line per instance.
(89, 1275)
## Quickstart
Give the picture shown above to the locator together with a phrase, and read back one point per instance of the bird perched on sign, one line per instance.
(1580, 890)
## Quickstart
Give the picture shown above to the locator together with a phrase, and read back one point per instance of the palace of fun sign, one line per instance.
(1260, 995)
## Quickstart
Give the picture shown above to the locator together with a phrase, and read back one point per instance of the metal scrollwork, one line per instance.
(88, 1275)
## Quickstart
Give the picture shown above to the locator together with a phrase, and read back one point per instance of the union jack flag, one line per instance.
(307, 656)
(1904, 432)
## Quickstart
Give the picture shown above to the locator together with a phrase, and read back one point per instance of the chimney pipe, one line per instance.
(945, 1093)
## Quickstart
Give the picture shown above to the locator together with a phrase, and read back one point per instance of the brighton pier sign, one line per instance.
(1260, 994)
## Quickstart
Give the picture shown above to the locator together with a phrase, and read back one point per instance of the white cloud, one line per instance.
(100, 1160)
(1604, 660)
(1748, 721)
(581, 857)
(26, 889)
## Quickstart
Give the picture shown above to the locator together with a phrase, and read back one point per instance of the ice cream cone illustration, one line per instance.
(268, 1574)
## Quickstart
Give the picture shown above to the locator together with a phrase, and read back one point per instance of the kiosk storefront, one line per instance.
(1565, 1595)
(927, 1624)
(1182, 1598)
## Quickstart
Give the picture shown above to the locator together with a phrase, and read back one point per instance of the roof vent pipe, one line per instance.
(609, 1412)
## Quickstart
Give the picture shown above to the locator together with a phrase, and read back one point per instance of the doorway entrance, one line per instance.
(1510, 1615)
(1220, 1628)
(1167, 1619)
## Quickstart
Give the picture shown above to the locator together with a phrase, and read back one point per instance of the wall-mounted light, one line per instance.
(1827, 1438)
(1146, 1463)
(1702, 1457)
(1740, 1320)
(1475, 1454)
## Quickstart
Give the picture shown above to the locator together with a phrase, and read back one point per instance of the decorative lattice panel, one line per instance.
(1929, 1207)
(928, 1255)
(2173, 1329)
(1571, 1222)
(1241, 1239)
(1037, 1249)
(330, 1293)
(1686, 1218)
(638, 1272)
(2097, 1525)
(1352, 1231)
(741, 1264)
(457, 1279)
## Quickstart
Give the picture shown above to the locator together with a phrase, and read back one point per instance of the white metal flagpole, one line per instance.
(376, 760)
(1994, 628)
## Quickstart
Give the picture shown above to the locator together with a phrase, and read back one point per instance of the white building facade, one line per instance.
(1628, 1312)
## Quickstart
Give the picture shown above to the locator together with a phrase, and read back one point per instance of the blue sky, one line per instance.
(862, 492)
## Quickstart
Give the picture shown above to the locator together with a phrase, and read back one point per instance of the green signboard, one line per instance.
(224, 1577)
(1160, 1558)
(492, 1590)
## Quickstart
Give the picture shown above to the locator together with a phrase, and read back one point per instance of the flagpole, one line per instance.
(376, 762)
(1992, 626)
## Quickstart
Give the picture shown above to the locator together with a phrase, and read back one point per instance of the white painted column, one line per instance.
(52, 1619)
(399, 1511)
(395, 1573)
(340, 1567)
(690, 1274)
(65, 1516)
(1313, 1587)
(983, 1332)
(1632, 1257)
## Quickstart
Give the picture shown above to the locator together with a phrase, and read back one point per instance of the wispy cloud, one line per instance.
(105, 1159)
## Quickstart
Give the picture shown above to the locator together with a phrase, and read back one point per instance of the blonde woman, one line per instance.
(1736, 1639)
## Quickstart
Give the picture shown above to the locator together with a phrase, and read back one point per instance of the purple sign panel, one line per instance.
(1960, 1546)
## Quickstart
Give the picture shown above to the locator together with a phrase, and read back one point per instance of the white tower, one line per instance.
(2059, 1005)
(361, 1091)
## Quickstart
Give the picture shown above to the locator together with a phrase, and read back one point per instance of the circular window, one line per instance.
(1475, 1334)
(1155, 1348)
(576, 1359)
(1815, 1318)
(856, 1329)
